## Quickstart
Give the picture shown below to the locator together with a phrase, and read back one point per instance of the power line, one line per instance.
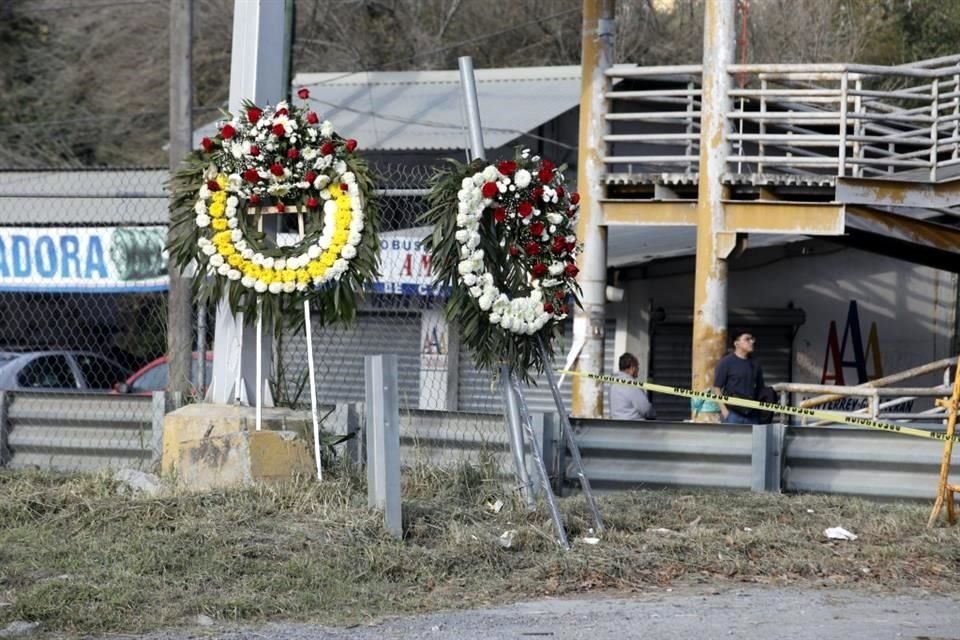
(82, 7)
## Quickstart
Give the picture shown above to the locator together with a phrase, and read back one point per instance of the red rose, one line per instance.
(507, 167)
(514, 251)
(254, 150)
(292, 153)
(539, 270)
(571, 270)
(489, 189)
(251, 175)
(564, 309)
(548, 308)
(253, 115)
(312, 203)
(574, 197)
(276, 169)
(303, 93)
(537, 193)
(313, 118)
(344, 187)
(536, 229)
(525, 209)
(212, 185)
(572, 211)
(280, 207)
(532, 248)
(545, 175)
(282, 112)
(207, 145)
(547, 164)
(278, 130)
(227, 132)
(326, 148)
(558, 295)
(571, 246)
(499, 214)
(558, 248)
(310, 177)
(560, 192)
(350, 144)
(254, 199)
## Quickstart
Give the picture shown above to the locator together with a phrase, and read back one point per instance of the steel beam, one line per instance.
(898, 193)
(801, 218)
(677, 213)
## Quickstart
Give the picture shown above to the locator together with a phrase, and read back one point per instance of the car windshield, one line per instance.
(6, 358)
(155, 379)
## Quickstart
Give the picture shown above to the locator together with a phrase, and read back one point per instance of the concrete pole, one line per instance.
(180, 297)
(713, 244)
(258, 73)
(596, 58)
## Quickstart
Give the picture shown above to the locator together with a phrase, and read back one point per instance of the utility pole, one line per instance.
(596, 58)
(179, 297)
(714, 243)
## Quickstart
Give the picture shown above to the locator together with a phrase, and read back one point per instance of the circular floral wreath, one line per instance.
(275, 160)
(508, 254)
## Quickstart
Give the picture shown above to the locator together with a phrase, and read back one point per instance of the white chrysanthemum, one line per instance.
(523, 178)
(275, 287)
(247, 281)
(326, 128)
(247, 254)
(348, 252)
(216, 260)
(232, 223)
(208, 249)
(260, 286)
(203, 221)
(234, 275)
(200, 207)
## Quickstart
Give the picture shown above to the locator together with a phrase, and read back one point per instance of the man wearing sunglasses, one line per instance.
(738, 374)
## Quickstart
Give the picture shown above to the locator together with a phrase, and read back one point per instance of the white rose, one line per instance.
(476, 292)
(485, 302)
(462, 236)
(555, 218)
(309, 153)
(469, 279)
(326, 128)
(340, 167)
(494, 318)
(216, 260)
(556, 268)
(321, 182)
(349, 178)
(348, 251)
(523, 178)
(490, 173)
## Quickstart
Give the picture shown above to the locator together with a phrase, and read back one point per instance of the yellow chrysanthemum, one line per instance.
(221, 238)
(235, 260)
(339, 238)
(216, 209)
(288, 275)
(335, 191)
(227, 250)
(326, 260)
(222, 181)
(219, 224)
(303, 276)
(315, 269)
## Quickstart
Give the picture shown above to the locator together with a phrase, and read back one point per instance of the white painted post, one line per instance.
(257, 73)
(383, 439)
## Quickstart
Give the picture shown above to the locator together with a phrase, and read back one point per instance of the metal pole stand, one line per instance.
(515, 434)
(945, 490)
(541, 467)
(570, 440)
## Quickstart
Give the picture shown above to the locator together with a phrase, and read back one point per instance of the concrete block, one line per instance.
(207, 446)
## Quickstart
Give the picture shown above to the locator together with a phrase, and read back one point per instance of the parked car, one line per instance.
(59, 370)
(155, 375)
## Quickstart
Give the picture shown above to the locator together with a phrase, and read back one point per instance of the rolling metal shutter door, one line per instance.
(339, 350)
(671, 355)
(475, 392)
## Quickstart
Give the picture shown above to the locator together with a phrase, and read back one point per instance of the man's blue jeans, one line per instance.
(735, 418)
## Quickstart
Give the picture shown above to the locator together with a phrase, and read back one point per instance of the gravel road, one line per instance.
(679, 614)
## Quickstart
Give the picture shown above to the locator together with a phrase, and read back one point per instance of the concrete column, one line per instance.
(713, 244)
(258, 73)
(596, 58)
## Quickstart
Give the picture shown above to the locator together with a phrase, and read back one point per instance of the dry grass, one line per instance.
(78, 557)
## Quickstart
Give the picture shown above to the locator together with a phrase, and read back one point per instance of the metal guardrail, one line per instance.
(80, 431)
(842, 120)
(621, 455)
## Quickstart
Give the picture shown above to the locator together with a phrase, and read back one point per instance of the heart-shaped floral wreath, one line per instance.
(276, 160)
(505, 242)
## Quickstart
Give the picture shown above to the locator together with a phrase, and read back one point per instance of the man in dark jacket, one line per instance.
(738, 374)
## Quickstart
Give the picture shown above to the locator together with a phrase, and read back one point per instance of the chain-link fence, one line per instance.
(83, 310)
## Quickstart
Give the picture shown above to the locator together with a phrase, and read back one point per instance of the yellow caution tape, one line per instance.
(769, 406)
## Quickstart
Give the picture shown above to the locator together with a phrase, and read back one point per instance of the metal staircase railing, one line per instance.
(837, 120)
